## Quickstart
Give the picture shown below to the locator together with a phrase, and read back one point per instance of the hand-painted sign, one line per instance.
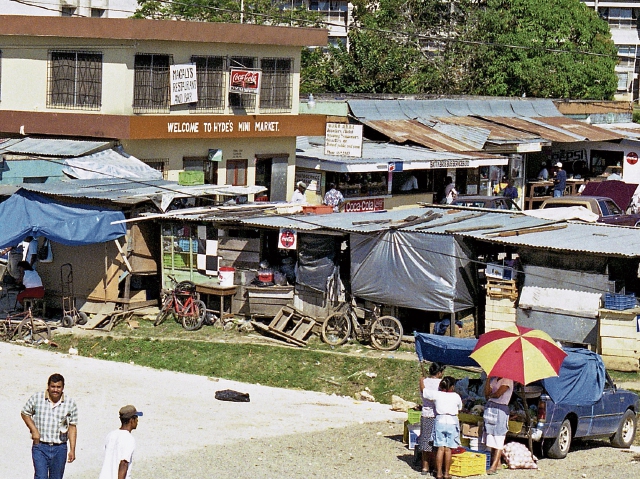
(184, 85)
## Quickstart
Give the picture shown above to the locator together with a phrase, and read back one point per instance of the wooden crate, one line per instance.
(502, 288)
(267, 301)
(619, 340)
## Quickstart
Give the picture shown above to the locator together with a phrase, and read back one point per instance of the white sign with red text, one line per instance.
(245, 81)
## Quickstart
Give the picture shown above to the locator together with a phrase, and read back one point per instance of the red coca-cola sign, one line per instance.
(245, 81)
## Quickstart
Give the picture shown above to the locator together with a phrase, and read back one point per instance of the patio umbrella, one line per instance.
(521, 354)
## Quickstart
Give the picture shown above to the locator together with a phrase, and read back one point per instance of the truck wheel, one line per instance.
(558, 448)
(626, 432)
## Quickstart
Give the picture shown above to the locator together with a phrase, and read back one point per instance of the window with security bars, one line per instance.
(276, 84)
(151, 83)
(75, 80)
(210, 76)
(160, 164)
(244, 101)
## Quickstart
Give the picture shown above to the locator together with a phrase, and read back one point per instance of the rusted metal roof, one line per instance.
(590, 132)
(413, 131)
(497, 131)
(541, 131)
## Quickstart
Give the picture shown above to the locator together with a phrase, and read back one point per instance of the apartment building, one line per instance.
(104, 78)
(69, 8)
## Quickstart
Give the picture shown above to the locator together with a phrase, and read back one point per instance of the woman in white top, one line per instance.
(447, 427)
(427, 420)
(450, 192)
(496, 417)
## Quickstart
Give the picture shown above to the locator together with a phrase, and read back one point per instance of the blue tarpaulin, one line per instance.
(580, 382)
(26, 213)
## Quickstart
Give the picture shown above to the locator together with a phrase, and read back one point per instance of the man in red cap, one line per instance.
(119, 446)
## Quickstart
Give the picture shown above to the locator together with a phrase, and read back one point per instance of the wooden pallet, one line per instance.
(289, 325)
(502, 288)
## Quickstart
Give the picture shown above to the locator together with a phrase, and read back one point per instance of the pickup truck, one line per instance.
(607, 210)
(581, 403)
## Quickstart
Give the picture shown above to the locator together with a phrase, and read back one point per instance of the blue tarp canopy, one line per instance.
(26, 213)
(580, 382)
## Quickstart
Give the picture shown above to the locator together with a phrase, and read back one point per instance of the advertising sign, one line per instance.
(184, 86)
(245, 81)
(371, 204)
(632, 157)
(342, 139)
(287, 239)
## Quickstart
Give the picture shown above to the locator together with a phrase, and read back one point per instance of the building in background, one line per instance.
(70, 8)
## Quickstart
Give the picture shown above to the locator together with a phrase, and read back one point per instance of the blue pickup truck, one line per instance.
(582, 402)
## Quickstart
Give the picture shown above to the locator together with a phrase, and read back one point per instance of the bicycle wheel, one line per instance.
(386, 333)
(33, 331)
(336, 329)
(4, 331)
(192, 322)
(165, 311)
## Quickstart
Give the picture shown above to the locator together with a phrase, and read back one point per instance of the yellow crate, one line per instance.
(468, 464)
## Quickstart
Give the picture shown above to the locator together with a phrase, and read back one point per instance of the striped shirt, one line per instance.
(52, 422)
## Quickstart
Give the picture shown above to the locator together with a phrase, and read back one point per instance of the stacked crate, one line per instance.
(619, 339)
(500, 313)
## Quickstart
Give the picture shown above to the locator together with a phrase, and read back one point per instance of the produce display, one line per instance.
(517, 456)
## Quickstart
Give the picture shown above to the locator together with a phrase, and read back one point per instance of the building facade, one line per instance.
(110, 79)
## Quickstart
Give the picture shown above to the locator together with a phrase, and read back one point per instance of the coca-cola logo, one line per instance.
(244, 78)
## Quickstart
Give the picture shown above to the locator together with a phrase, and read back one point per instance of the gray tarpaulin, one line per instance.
(412, 270)
(316, 260)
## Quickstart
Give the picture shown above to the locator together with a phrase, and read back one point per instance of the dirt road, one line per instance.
(181, 417)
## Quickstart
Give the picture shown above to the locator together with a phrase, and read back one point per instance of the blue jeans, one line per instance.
(557, 193)
(49, 461)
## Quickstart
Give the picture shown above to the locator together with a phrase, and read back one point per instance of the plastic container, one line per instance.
(468, 464)
(226, 275)
(317, 209)
(619, 301)
(413, 416)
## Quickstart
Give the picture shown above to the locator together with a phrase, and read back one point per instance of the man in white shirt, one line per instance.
(410, 184)
(298, 193)
(29, 250)
(120, 445)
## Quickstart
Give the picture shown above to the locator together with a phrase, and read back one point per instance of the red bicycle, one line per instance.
(183, 302)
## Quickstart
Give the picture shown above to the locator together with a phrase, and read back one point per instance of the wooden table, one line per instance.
(214, 289)
(573, 185)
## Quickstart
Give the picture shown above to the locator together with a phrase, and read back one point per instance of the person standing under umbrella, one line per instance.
(428, 418)
(498, 391)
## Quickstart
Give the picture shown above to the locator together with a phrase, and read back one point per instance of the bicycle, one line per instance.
(384, 332)
(184, 303)
(23, 326)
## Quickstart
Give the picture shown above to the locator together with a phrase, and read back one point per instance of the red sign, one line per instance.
(356, 206)
(245, 81)
(632, 157)
(288, 239)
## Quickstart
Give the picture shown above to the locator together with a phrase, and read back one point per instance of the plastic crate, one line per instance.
(619, 301)
(191, 178)
(413, 416)
(486, 453)
(468, 464)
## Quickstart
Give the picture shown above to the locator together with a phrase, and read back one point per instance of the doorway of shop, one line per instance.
(271, 172)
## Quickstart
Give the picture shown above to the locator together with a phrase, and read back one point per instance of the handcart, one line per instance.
(70, 315)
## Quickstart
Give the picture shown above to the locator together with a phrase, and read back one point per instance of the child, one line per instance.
(447, 427)
(428, 418)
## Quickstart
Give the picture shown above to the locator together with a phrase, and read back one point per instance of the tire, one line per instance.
(33, 333)
(67, 321)
(559, 447)
(386, 333)
(82, 318)
(194, 322)
(4, 332)
(165, 311)
(626, 432)
(637, 225)
(189, 286)
(336, 329)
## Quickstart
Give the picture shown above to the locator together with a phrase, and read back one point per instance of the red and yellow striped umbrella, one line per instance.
(521, 354)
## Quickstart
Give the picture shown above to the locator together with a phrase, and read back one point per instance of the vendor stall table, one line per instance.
(214, 289)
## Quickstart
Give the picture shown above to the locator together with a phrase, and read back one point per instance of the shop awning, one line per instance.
(376, 157)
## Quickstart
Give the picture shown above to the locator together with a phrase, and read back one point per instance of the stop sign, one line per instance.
(632, 157)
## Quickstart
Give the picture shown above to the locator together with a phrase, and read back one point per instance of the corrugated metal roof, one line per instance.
(497, 131)
(475, 137)
(412, 109)
(483, 225)
(403, 131)
(54, 147)
(589, 132)
(542, 131)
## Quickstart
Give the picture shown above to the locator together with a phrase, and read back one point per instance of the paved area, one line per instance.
(181, 415)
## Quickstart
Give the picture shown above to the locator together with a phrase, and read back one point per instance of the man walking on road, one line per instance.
(52, 419)
(119, 446)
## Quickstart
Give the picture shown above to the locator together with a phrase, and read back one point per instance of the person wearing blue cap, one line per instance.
(120, 445)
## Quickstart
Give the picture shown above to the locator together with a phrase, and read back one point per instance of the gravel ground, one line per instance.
(185, 432)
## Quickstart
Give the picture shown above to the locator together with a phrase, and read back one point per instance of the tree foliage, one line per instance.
(537, 48)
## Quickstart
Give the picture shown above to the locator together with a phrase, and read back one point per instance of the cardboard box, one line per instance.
(498, 271)
(470, 430)
(414, 433)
